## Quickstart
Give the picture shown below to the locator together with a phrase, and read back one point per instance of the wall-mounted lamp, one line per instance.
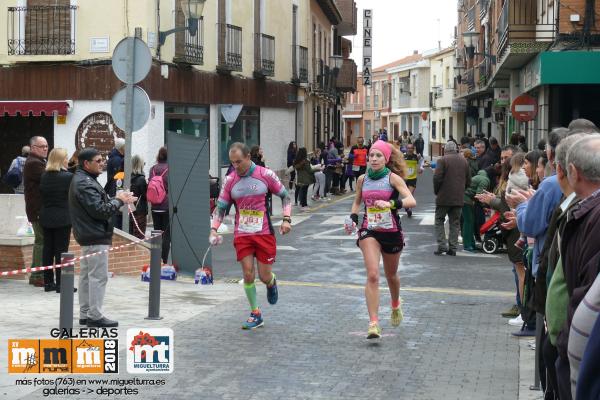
(192, 10)
(470, 39)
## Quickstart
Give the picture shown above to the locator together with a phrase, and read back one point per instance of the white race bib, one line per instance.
(356, 168)
(379, 218)
(251, 221)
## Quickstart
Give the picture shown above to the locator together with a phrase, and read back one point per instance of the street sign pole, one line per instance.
(131, 63)
(128, 126)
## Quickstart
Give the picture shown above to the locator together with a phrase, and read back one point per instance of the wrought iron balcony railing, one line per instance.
(230, 47)
(522, 21)
(299, 64)
(483, 8)
(190, 49)
(346, 80)
(41, 30)
(264, 55)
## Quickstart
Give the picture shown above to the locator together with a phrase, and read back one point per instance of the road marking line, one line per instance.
(423, 289)
(287, 248)
(428, 220)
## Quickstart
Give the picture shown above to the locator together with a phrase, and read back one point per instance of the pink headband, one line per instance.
(383, 147)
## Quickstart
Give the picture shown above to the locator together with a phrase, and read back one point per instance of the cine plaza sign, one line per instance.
(367, 46)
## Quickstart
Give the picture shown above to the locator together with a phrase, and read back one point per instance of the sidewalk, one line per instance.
(30, 313)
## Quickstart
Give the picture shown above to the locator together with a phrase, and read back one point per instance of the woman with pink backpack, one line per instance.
(158, 198)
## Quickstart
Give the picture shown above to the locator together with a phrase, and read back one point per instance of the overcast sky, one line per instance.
(402, 26)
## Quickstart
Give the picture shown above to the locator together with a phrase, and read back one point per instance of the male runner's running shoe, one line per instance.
(397, 316)
(374, 331)
(409, 212)
(255, 321)
(272, 294)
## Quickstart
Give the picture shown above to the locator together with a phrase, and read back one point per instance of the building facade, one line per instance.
(444, 121)
(57, 80)
(543, 49)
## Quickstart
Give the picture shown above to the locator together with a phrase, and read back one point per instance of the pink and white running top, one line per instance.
(249, 195)
(377, 219)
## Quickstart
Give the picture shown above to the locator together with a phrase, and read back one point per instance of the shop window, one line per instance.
(187, 120)
(245, 130)
(433, 130)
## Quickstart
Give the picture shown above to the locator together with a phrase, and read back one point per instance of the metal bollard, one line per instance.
(539, 325)
(67, 278)
(155, 262)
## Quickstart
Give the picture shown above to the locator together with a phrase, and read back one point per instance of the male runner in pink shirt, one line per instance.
(247, 188)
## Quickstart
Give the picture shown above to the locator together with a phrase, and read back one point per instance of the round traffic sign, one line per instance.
(141, 60)
(524, 108)
(140, 105)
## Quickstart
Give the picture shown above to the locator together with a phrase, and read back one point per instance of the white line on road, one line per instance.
(286, 248)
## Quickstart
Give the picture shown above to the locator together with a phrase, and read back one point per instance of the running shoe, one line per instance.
(374, 331)
(272, 293)
(254, 321)
(397, 316)
(409, 212)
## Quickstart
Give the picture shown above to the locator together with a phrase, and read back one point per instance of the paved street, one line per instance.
(452, 344)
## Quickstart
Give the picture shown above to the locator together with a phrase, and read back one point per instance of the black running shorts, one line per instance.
(390, 242)
(411, 182)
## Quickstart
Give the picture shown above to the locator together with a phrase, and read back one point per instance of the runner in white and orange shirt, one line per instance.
(247, 188)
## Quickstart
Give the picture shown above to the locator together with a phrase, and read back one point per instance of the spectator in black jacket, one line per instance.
(115, 164)
(138, 187)
(91, 212)
(54, 215)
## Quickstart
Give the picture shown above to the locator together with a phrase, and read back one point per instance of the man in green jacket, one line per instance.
(479, 184)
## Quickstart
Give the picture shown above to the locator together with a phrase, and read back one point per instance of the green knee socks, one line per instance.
(250, 290)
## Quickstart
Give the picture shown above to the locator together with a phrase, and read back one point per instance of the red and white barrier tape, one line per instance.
(49, 267)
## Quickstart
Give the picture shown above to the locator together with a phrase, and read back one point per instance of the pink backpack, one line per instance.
(156, 192)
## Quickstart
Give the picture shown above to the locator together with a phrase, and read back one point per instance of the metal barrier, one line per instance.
(67, 281)
(155, 263)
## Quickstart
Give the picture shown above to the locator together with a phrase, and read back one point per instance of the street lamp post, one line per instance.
(336, 62)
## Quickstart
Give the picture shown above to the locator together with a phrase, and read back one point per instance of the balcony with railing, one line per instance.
(471, 18)
(229, 48)
(524, 26)
(299, 64)
(189, 49)
(319, 76)
(353, 107)
(484, 6)
(264, 55)
(346, 79)
(349, 13)
(41, 30)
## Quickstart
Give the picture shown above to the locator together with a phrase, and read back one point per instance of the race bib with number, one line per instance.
(251, 221)
(379, 218)
(356, 168)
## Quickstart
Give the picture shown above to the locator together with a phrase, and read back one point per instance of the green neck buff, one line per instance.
(378, 174)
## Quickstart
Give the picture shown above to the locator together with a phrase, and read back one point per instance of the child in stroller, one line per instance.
(491, 233)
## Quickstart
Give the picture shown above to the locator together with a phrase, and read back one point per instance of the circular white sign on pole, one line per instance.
(141, 108)
(121, 59)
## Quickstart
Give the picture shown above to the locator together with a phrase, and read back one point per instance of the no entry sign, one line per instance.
(524, 108)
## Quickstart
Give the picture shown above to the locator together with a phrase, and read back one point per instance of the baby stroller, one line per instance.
(491, 232)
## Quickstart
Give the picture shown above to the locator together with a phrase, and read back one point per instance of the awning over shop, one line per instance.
(35, 108)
